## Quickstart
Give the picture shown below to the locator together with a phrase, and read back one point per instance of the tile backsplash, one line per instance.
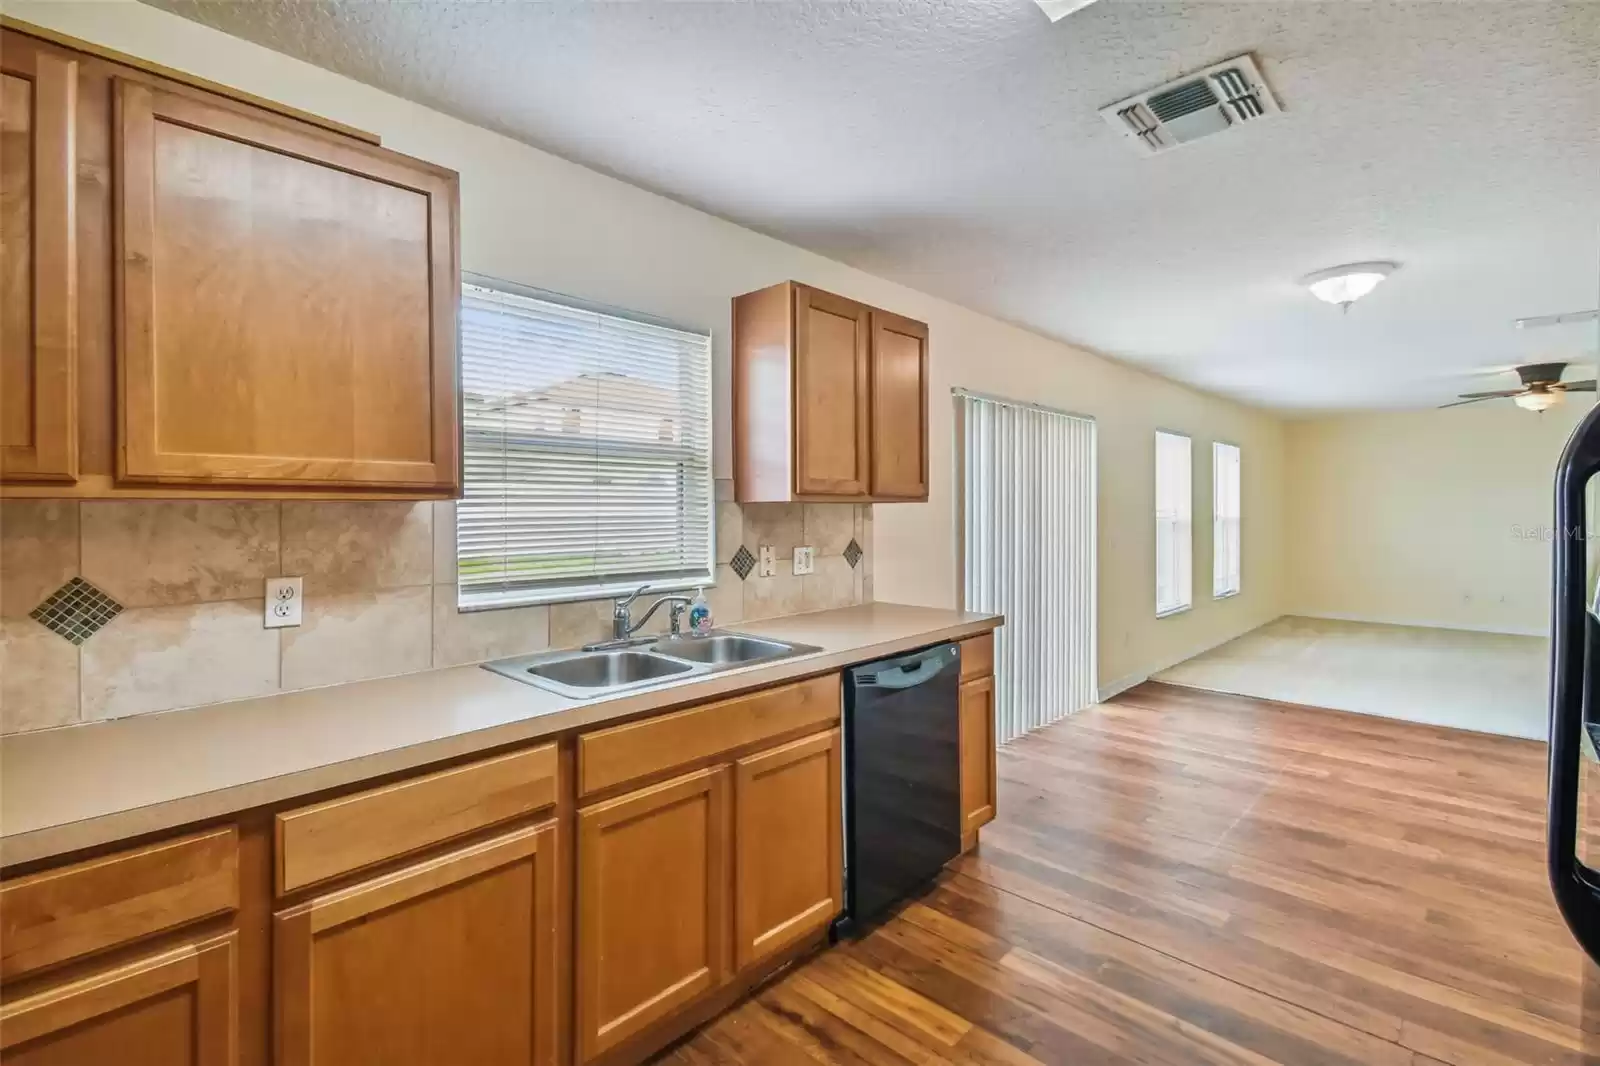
(380, 597)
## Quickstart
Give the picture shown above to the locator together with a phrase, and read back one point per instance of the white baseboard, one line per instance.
(1417, 623)
(1127, 681)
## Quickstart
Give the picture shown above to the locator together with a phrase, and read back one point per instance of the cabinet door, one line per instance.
(787, 880)
(287, 303)
(38, 264)
(174, 1008)
(831, 345)
(653, 915)
(453, 959)
(899, 407)
(977, 753)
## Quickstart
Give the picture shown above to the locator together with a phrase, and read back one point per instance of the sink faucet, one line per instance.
(622, 624)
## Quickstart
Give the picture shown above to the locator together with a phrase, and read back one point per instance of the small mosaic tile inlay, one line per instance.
(852, 552)
(76, 611)
(742, 562)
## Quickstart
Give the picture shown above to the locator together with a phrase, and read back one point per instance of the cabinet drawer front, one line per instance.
(626, 753)
(977, 657)
(346, 834)
(175, 1006)
(50, 917)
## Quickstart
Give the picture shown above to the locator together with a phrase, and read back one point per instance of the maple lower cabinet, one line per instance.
(174, 1007)
(202, 295)
(653, 914)
(449, 959)
(977, 742)
(830, 399)
(788, 883)
(38, 263)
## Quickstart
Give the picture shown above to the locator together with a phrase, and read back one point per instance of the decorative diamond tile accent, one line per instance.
(853, 553)
(76, 611)
(742, 562)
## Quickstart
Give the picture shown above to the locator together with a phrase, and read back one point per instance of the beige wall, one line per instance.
(1430, 518)
(532, 218)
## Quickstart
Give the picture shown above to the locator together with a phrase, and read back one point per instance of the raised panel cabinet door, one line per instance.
(831, 385)
(177, 1007)
(977, 753)
(38, 263)
(653, 917)
(899, 407)
(787, 844)
(287, 303)
(452, 959)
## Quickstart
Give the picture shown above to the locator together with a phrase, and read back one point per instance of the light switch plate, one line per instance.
(804, 561)
(766, 561)
(283, 600)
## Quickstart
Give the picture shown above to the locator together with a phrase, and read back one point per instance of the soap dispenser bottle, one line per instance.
(700, 620)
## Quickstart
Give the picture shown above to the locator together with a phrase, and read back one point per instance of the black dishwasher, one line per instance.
(902, 779)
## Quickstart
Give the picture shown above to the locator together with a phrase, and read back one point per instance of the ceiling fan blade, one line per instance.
(1575, 386)
(1488, 395)
(1476, 399)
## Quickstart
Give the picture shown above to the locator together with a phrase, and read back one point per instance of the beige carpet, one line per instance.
(1489, 682)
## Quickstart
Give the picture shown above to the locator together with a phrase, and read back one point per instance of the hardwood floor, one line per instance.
(1180, 877)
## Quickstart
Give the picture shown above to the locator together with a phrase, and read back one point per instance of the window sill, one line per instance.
(1225, 595)
(1170, 611)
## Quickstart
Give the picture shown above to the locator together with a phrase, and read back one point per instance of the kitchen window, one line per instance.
(1225, 513)
(1174, 552)
(587, 451)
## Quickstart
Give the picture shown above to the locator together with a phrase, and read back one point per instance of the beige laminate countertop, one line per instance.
(66, 789)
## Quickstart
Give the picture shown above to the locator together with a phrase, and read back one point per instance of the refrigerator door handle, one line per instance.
(1575, 886)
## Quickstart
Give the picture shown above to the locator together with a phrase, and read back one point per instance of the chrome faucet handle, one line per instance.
(624, 602)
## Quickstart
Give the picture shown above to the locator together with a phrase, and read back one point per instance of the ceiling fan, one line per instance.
(1542, 388)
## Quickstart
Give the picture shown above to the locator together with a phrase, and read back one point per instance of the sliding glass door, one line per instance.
(1028, 552)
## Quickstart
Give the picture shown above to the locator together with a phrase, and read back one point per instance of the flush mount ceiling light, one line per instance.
(1344, 285)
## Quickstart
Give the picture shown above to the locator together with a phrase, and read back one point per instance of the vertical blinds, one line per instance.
(1225, 516)
(1028, 522)
(587, 451)
(1174, 513)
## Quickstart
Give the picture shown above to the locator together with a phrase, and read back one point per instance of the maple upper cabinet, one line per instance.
(830, 399)
(203, 294)
(38, 268)
(287, 302)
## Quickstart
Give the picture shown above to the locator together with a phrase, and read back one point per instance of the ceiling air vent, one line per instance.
(1209, 101)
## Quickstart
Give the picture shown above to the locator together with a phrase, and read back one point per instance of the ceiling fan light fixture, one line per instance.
(1539, 399)
(1344, 285)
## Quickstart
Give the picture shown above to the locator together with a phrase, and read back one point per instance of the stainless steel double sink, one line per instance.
(603, 671)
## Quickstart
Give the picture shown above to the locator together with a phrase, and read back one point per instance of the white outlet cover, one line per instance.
(283, 599)
(766, 561)
(804, 560)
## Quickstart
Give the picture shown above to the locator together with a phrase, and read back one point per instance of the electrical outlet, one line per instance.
(804, 561)
(284, 596)
(766, 561)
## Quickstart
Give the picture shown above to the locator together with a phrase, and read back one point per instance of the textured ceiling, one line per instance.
(955, 146)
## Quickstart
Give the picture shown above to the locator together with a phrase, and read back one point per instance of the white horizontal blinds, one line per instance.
(587, 449)
(1028, 519)
(1225, 519)
(1174, 521)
